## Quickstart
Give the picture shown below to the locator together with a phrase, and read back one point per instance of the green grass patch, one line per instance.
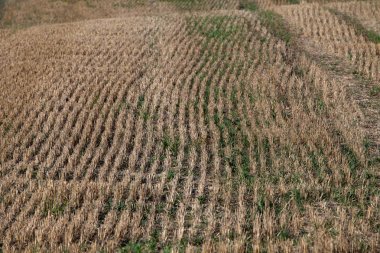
(298, 199)
(175, 205)
(352, 159)
(139, 247)
(375, 91)
(53, 207)
(284, 234)
(215, 27)
(120, 206)
(140, 102)
(202, 199)
(276, 24)
(171, 143)
(260, 205)
(247, 5)
(374, 161)
(271, 20)
(320, 105)
(171, 175)
(2, 5)
(370, 35)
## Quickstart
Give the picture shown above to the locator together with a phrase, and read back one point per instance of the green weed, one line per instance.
(53, 207)
(260, 205)
(352, 159)
(175, 205)
(120, 206)
(140, 102)
(171, 175)
(214, 27)
(246, 5)
(320, 106)
(271, 20)
(375, 91)
(284, 234)
(202, 199)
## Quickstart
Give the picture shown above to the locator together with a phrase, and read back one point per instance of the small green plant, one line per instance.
(214, 27)
(374, 161)
(166, 141)
(167, 249)
(198, 240)
(175, 205)
(145, 115)
(375, 91)
(171, 144)
(252, 98)
(108, 205)
(171, 175)
(372, 36)
(298, 71)
(53, 207)
(131, 248)
(320, 105)
(297, 197)
(175, 146)
(160, 207)
(202, 199)
(120, 206)
(367, 144)
(352, 159)
(247, 5)
(140, 102)
(261, 204)
(284, 234)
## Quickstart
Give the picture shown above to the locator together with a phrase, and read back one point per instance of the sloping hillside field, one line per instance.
(190, 126)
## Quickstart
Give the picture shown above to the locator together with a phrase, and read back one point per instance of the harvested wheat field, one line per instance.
(189, 126)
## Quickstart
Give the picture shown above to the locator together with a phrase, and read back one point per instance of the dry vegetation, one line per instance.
(214, 126)
(368, 13)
